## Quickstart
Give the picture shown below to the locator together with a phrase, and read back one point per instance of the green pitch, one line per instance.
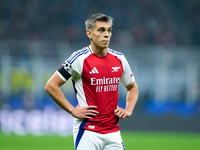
(133, 141)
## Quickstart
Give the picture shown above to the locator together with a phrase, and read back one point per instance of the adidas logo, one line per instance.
(94, 70)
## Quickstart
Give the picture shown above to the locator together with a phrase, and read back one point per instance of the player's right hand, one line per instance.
(87, 112)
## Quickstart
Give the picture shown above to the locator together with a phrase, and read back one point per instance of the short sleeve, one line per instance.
(65, 71)
(127, 76)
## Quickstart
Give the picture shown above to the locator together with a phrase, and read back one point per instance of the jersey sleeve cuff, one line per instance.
(61, 76)
(128, 81)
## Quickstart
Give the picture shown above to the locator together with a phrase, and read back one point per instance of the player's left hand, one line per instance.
(121, 113)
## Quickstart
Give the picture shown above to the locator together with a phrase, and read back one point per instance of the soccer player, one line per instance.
(96, 71)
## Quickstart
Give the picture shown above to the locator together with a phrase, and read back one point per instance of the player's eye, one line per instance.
(101, 30)
(109, 30)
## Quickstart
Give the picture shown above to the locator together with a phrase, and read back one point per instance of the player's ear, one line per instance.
(88, 32)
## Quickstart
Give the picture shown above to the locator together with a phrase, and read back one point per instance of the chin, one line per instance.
(105, 46)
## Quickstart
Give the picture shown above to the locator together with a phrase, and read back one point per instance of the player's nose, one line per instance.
(107, 34)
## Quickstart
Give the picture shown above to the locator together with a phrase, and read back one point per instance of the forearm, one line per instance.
(53, 89)
(57, 95)
(131, 98)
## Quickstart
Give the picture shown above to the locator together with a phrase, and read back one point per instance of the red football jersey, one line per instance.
(96, 81)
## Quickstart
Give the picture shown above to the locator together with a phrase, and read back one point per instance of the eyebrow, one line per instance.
(104, 28)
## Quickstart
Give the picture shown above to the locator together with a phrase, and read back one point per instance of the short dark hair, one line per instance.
(90, 22)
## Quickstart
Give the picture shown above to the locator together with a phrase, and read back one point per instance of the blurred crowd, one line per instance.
(162, 22)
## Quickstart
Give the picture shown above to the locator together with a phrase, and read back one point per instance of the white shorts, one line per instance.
(89, 140)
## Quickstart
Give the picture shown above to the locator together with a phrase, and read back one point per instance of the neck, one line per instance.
(99, 51)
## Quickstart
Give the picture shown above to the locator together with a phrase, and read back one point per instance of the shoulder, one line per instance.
(81, 53)
(118, 54)
(114, 52)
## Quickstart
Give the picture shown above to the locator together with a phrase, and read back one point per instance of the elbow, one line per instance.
(51, 87)
(47, 87)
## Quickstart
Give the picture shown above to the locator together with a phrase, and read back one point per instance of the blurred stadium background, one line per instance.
(161, 40)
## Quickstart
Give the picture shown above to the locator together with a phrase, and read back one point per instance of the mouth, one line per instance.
(106, 41)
